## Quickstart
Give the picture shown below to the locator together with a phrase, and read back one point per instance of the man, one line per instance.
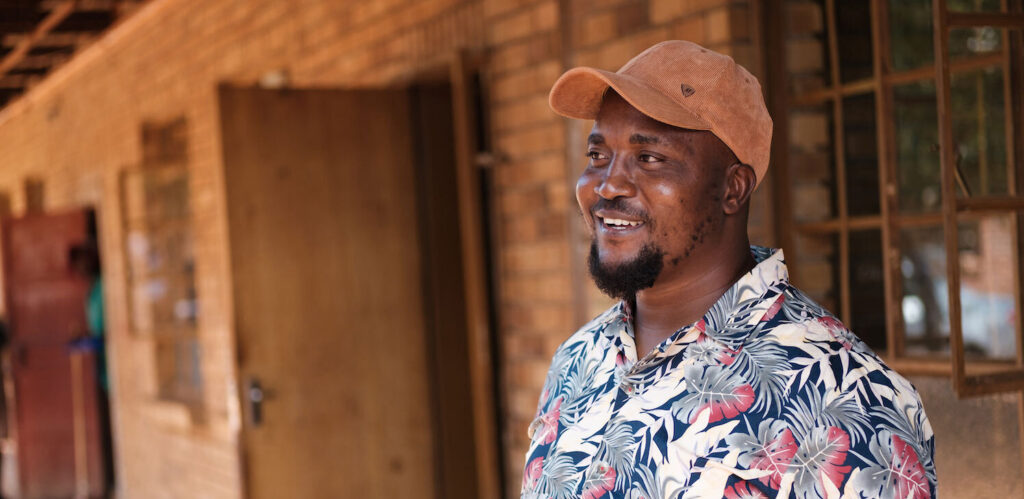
(714, 376)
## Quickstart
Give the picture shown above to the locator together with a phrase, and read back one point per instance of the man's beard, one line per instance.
(624, 280)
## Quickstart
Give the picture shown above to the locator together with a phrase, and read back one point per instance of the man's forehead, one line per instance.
(634, 138)
(617, 116)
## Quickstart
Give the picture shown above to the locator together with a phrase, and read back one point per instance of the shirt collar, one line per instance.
(733, 317)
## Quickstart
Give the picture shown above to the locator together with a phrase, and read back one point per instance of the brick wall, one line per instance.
(80, 127)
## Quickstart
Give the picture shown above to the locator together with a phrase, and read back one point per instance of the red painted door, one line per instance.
(45, 306)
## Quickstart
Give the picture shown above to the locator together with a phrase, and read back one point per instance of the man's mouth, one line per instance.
(619, 224)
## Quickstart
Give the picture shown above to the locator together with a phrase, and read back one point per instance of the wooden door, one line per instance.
(327, 291)
(46, 310)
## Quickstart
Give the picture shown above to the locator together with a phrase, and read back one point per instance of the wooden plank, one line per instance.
(18, 81)
(89, 5)
(49, 40)
(474, 275)
(839, 152)
(56, 16)
(838, 91)
(888, 180)
(836, 225)
(43, 61)
(947, 167)
(1011, 47)
(991, 203)
(1016, 162)
(988, 384)
(866, 222)
(940, 366)
(955, 66)
(779, 105)
(977, 19)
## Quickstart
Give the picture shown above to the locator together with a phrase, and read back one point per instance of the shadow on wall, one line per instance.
(977, 441)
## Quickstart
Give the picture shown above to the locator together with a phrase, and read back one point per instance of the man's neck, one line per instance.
(667, 306)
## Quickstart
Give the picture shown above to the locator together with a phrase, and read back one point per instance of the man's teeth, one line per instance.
(621, 223)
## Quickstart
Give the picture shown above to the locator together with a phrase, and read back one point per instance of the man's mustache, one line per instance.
(618, 205)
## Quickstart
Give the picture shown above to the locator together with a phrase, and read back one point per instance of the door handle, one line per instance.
(255, 395)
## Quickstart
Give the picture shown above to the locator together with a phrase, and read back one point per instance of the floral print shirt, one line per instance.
(768, 395)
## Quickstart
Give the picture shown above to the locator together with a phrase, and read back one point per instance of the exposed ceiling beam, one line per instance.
(42, 61)
(51, 21)
(18, 82)
(47, 5)
(62, 39)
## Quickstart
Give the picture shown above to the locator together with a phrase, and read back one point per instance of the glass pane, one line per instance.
(806, 46)
(960, 454)
(861, 154)
(817, 268)
(987, 260)
(924, 306)
(974, 5)
(915, 124)
(812, 163)
(867, 288)
(853, 33)
(910, 31)
(988, 307)
(979, 130)
(965, 43)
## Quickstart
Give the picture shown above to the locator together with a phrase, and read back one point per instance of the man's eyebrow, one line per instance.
(595, 138)
(637, 138)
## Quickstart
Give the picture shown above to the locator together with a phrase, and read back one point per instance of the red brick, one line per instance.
(804, 18)
(614, 54)
(533, 141)
(717, 25)
(597, 28)
(547, 287)
(535, 227)
(662, 11)
(537, 170)
(523, 113)
(534, 257)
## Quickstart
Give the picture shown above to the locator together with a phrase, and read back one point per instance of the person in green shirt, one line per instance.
(85, 261)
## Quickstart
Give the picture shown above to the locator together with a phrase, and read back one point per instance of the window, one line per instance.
(159, 257)
(900, 185)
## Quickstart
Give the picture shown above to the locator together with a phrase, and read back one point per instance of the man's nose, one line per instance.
(616, 182)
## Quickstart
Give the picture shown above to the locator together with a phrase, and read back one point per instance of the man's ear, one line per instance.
(740, 181)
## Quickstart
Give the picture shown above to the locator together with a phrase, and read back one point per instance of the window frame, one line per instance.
(1012, 203)
(988, 376)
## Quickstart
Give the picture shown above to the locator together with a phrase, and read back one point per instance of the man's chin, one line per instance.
(622, 276)
(613, 255)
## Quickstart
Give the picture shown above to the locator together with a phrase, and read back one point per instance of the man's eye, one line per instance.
(647, 158)
(595, 155)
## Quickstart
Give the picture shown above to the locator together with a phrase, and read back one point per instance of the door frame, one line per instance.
(458, 69)
(462, 67)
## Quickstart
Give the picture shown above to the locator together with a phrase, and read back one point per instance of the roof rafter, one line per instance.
(18, 81)
(54, 18)
(52, 39)
(84, 5)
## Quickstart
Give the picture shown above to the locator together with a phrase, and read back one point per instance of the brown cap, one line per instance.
(682, 84)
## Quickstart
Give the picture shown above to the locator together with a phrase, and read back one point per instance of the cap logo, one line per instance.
(687, 90)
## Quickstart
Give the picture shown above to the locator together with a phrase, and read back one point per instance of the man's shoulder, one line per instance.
(815, 339)
(797, 318)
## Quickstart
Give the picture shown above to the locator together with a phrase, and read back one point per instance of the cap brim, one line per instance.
(578, 94)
